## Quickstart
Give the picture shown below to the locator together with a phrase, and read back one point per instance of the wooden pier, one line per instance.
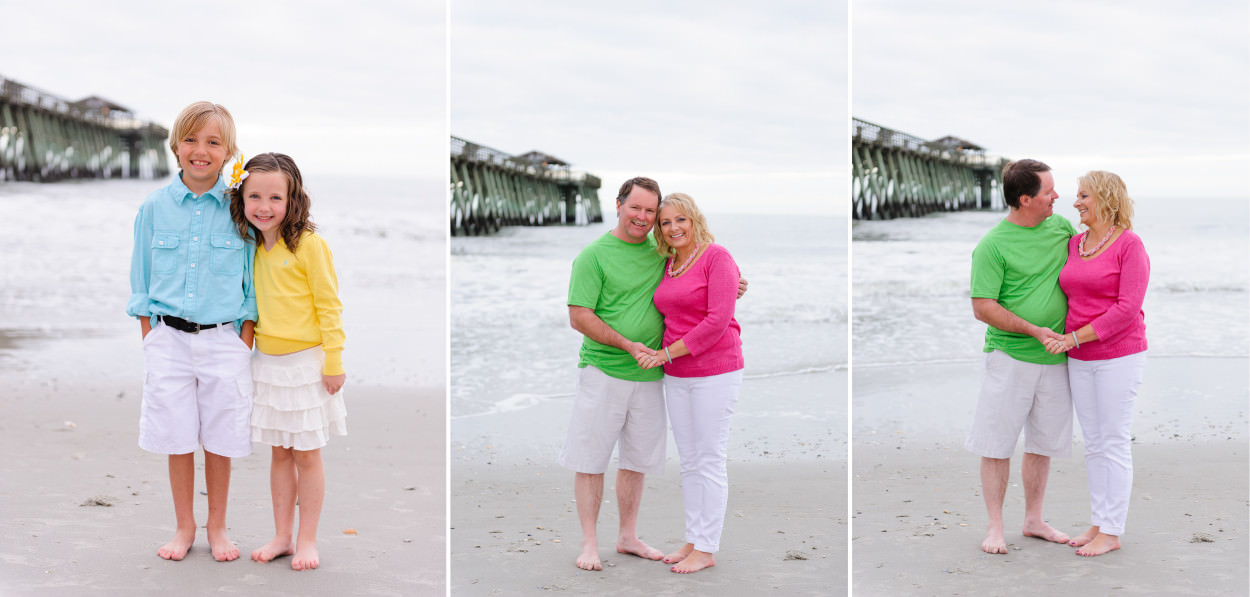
(896, 175)
(491, 189)
(46, 138)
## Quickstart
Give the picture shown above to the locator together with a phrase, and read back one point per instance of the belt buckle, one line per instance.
(183, 325)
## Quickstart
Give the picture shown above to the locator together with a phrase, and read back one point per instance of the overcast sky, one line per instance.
(355, 88)
(1157, 91)
(741, 105)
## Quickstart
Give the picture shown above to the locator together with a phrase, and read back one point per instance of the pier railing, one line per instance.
(44, 137)
(895, 174)
(491, 189)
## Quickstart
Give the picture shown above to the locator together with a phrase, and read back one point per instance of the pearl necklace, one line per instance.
(1105, 238)
(673, 273)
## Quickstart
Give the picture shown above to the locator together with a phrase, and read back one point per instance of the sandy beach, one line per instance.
(514, 528)
(86, 508)
(918, 517)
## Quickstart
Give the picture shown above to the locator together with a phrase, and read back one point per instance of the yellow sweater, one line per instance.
(297, 297)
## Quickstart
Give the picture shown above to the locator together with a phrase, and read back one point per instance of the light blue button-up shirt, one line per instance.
(189, 260)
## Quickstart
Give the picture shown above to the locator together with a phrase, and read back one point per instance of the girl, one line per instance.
(298, 367)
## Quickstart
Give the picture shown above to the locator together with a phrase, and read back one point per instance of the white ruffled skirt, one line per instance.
(291, 407)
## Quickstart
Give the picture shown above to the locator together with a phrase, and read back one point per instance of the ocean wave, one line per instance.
(801, 371)
(514, 403)
(1189, 286)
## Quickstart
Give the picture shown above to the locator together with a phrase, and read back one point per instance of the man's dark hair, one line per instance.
(641, 181)
(1021, 178)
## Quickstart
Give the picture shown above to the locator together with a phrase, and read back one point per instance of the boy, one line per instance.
(191, 289)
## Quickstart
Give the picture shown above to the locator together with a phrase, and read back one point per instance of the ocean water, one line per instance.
(512, 347)
(64, 276)
(912, 304)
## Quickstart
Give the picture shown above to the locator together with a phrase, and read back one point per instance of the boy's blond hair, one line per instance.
(193, 117)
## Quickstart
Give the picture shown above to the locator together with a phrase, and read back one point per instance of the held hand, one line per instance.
(638, 350)
(1049, 339)
(742, 286)
(1061, 345)
(1045, 335)
(650, 361)
(333, 383)
(1055, 346)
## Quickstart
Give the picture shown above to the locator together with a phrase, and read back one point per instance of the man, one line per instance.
(1015, 290)
(610, 304)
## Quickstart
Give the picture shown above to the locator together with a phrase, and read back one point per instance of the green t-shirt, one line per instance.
(616, 279)
(1019, 267)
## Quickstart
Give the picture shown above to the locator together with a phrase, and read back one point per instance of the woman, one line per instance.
(702, 360)
(1105, 279)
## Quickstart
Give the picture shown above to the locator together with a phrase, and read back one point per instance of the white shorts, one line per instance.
(197, 391)
(607, 409)
(1014, 393)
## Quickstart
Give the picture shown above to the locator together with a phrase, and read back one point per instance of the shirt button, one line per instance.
(190, 295)
(195, 238)
(160, 242)
(192, 266)
(197, 213)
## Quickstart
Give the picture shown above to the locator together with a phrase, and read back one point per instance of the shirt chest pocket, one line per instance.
(164, 253)
(226, 254)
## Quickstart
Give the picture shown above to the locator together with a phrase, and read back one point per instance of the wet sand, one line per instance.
(918, 518)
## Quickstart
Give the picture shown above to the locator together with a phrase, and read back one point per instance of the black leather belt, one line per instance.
(183, 325)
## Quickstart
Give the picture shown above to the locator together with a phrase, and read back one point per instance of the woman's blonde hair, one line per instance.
(1110, 197)
(698, 224)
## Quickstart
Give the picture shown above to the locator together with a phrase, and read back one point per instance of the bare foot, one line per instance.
(696, 561)
(636, 547)
(276, 548)
(224, 550)
(306, 557)
(1045, 531)
(178, 547)
(1085, 537)
(679, 555)
(589, 558)
(1101, 544)
(994, 542)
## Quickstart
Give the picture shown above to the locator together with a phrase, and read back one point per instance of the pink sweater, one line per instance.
(1106, 292)
(698, 308)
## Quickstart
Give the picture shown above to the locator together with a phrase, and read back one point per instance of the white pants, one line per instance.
(699, 409)
(1104, 392)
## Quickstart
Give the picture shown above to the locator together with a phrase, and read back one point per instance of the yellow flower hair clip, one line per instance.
(238, 175)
